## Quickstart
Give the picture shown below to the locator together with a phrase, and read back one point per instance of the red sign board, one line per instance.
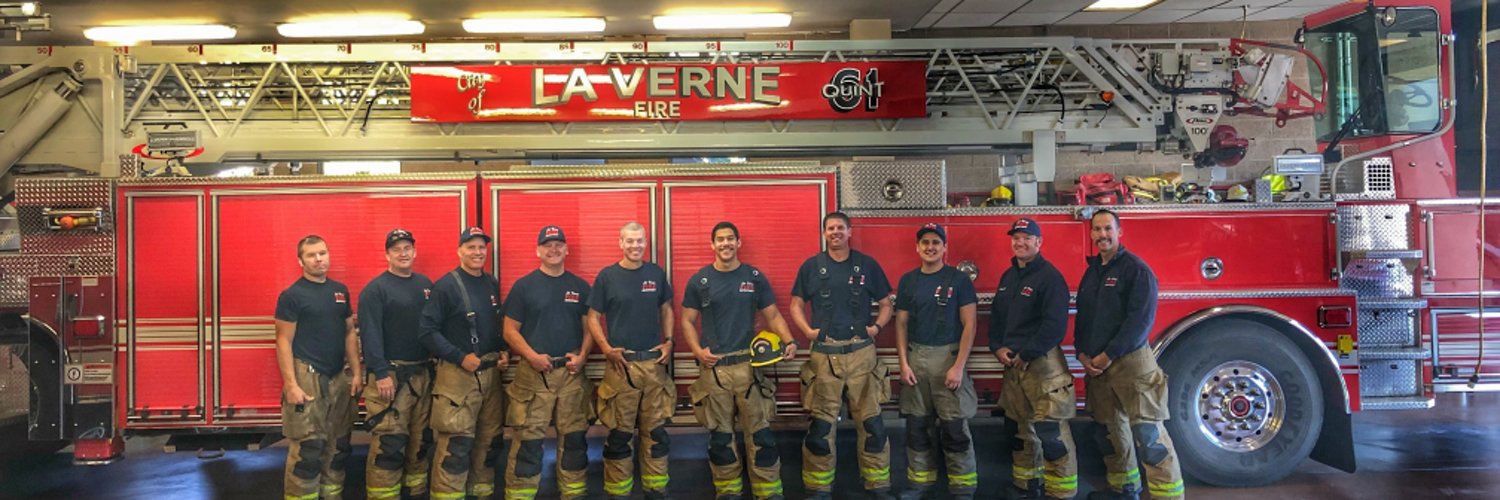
(599, 92)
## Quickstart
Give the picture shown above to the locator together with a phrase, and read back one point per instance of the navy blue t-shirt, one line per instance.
(445, 325)
(841, 292)
(918, 294)
(390, 320)
(730, 300)
(320, 311)
(550, 310)
(631, 300)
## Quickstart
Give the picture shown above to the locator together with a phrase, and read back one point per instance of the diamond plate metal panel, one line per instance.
(64, 191)
(15, 282)
(1375, 181)
(35, 196)
(1389, 378)
(1374, 227)
(129, 165)
(1383, 278)
(907, 185)
(1387, 328)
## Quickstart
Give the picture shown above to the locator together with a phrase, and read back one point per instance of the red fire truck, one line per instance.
(142, 301)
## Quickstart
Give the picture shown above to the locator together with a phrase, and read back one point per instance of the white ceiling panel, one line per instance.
(1251, 3)
(1102, 17)
(1157, 16)
(989, 6)
(1216, 16)
(968, 20)
(1069, 6)
(945, 5)
(1032, 18)
(928, 20)
(1325, 3)
(1189, 4)
(1275, 13)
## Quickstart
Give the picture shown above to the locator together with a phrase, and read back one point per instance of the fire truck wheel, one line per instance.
(1246, 405)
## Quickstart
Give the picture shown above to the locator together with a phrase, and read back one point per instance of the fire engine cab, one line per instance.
(1352, 276)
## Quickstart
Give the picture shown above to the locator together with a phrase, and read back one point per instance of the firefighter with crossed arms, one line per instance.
(637, 394)
(315, 336)
(840, 284)
(544, 326)
(1028, 321)
(398, 396)
(460, 325)
(730, 394)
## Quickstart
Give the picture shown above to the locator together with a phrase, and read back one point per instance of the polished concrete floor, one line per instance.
(1452, 451)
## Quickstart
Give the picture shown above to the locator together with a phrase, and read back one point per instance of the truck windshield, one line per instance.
(1382, 73)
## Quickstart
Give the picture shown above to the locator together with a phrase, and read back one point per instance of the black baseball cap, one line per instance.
(1024, 225)
(471, 233)
(935, 229)
(398, 235)
(550, 233)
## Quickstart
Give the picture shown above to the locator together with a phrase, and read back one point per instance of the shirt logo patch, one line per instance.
(1110, 281)
(747, 287)
(338, 298)
(570, 297)
(426, 293)
(494, 301)
(861, 280)
(648, 286)
(938, 292)
(1026, 291)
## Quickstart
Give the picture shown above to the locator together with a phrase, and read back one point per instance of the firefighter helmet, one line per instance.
(1237, 192)
(766, 349)
(1000, 196)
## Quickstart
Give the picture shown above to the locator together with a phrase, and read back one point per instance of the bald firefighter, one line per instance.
(315, 336)
(398, 397)
(840, 284)
(935, 314)
(544, 326)
(730, 394)
(460, 327)
(1123, 387)
(1028, 320)
(637, 393)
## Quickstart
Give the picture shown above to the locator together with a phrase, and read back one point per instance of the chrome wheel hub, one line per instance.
(1240, 406)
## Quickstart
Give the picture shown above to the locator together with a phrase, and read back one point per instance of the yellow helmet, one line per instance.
(1000, 192)
(766, 349)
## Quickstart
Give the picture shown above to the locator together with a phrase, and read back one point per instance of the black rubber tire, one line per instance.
(1190, 358)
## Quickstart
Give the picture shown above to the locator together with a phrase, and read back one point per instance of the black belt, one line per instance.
(821, 348)
(651, 355)
(732, 360)
(560, 362)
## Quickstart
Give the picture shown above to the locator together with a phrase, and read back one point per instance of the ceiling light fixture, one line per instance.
(1121, 4)
(153, 33)
(351, 27)
(721, 21)
(535, 25)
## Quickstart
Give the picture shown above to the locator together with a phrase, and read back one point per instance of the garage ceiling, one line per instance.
(256, 19)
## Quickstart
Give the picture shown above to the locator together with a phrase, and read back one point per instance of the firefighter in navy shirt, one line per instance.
(544, 325)
(841, 284)
(1123, 387)
(935, 315)
(637, 393)
(460, 325)
(730, 394)
(398, 397)
(1028, 321)
(314, 338)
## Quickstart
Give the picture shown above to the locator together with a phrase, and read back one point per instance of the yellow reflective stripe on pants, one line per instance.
(762, 490)
(815, 478)
(446, 495)
(329, 490)
(732, 486)
(1025, 473)
(309, 496)
(482, 489)
(970, 479)
(416, 480)
(1173, 489)
(518, 493)
(654, 483)
(916, 476)
(875, 475)
(1119, 480)
(575, 489)
(1068, 483)
(389, 492)
(619, 488)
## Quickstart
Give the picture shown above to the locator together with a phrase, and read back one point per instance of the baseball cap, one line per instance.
(1024, 225)
(935, 229)
(550, 233)
(471, 233)
(397, 235)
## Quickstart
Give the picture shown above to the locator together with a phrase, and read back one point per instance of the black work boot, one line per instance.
(819, 495)
(1033, 490)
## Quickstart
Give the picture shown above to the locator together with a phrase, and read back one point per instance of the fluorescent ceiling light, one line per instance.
(535, 25)
(721, 21)
(351, 27)
(133, 34)
(1121, 4)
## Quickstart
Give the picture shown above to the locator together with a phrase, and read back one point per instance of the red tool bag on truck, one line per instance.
(1101, 189)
